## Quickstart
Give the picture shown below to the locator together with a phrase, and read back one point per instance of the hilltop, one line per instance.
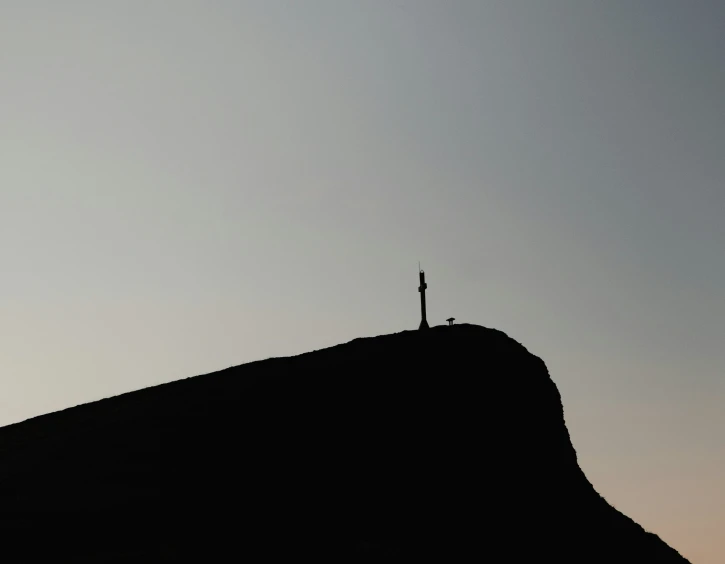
(437, 445)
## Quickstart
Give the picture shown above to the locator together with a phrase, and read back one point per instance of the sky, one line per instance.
(189, 185)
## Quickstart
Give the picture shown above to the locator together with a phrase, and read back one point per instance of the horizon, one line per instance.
(194, 185)
(259, 360)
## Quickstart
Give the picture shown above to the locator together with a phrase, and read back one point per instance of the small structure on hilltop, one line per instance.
(450, 320)
(421, 289)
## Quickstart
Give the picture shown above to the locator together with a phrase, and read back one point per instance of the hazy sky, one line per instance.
(190, 185)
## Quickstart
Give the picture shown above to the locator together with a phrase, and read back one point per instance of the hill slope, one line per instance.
(421, 444)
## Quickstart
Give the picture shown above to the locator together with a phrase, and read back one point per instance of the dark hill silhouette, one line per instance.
(446, 445)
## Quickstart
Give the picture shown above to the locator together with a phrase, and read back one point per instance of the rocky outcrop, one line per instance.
(440, 444)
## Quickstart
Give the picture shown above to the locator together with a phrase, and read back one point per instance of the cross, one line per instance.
(421, 289)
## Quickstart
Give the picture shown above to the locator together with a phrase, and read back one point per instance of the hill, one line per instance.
(421, 445)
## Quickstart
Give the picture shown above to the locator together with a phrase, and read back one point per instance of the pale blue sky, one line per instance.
(189, 185)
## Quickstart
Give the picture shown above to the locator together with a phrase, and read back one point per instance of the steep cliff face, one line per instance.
(422, 444)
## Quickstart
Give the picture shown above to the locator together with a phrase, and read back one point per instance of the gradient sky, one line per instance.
(190, 185)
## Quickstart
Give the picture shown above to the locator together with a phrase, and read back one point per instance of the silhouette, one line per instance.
(421, 289)
(446, 445)
(450, 320)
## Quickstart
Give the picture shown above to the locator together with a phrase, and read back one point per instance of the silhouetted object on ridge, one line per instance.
(421, 289)
(450, 320)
